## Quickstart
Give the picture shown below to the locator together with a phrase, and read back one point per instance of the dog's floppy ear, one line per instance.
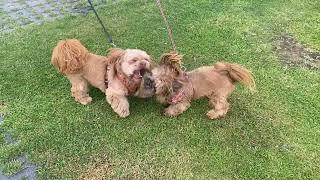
(114, 55)
(173, 60)
(176, 85)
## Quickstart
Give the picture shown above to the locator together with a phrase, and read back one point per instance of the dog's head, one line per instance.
(171, 63)
(167, 75)
(134, 63)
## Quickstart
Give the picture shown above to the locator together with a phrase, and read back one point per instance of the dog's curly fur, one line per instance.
(83, 68)
(177, 88)
(69, 56)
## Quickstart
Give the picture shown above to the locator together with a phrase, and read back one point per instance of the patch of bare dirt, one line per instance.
(100, 170)
(97, 172)
(293, 53)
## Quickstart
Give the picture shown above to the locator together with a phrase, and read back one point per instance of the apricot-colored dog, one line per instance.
(118, 75)
(177, 88)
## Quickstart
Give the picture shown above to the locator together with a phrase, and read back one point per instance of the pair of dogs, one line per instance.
(131, 72)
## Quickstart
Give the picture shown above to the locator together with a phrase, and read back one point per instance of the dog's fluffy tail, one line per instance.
(69, 56)
(237, 73)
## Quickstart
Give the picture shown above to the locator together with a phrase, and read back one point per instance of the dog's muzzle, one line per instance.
(149, 83)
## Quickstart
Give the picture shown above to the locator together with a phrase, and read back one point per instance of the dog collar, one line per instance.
(130, 85)
(106, 81)
(180, 95)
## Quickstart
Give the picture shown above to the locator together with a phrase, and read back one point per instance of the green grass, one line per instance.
(11, 168)
(2, 140)
(273, 133)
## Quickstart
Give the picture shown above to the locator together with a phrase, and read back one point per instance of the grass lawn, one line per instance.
(273, 133)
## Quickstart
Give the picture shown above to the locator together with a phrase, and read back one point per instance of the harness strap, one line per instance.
(180, 95)
(106, 81)
(130, 85)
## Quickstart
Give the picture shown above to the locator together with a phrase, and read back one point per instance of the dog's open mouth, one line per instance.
(138, 74)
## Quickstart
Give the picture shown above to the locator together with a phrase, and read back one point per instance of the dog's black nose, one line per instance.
(148, 83)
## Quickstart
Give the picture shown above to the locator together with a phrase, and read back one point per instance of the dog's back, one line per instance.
(94, 71)
(206, 80)
(72, 59)
(219, 79)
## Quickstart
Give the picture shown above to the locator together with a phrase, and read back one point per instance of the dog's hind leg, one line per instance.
(220, 106)
(176, 109)
(79, 89)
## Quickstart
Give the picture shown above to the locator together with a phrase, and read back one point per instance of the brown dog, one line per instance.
(177, 88)
(118, 75)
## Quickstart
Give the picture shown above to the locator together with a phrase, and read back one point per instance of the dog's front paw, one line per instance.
(118, 103)
(169, 112)
(123, 112)
(121, 108)
(85, 100)
(212, 114)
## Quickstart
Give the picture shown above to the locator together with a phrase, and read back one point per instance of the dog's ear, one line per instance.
(114, 55)
(176, 85)
(173, 60)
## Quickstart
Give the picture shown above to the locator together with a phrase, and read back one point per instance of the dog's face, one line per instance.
(147, 87)
(167, 76)
(135, 63)
(163, 77)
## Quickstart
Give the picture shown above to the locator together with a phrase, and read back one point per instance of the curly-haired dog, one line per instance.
(177, 88)
(118, 75)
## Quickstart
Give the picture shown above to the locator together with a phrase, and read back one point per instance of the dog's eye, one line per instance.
(134, 60)
(176, 85)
